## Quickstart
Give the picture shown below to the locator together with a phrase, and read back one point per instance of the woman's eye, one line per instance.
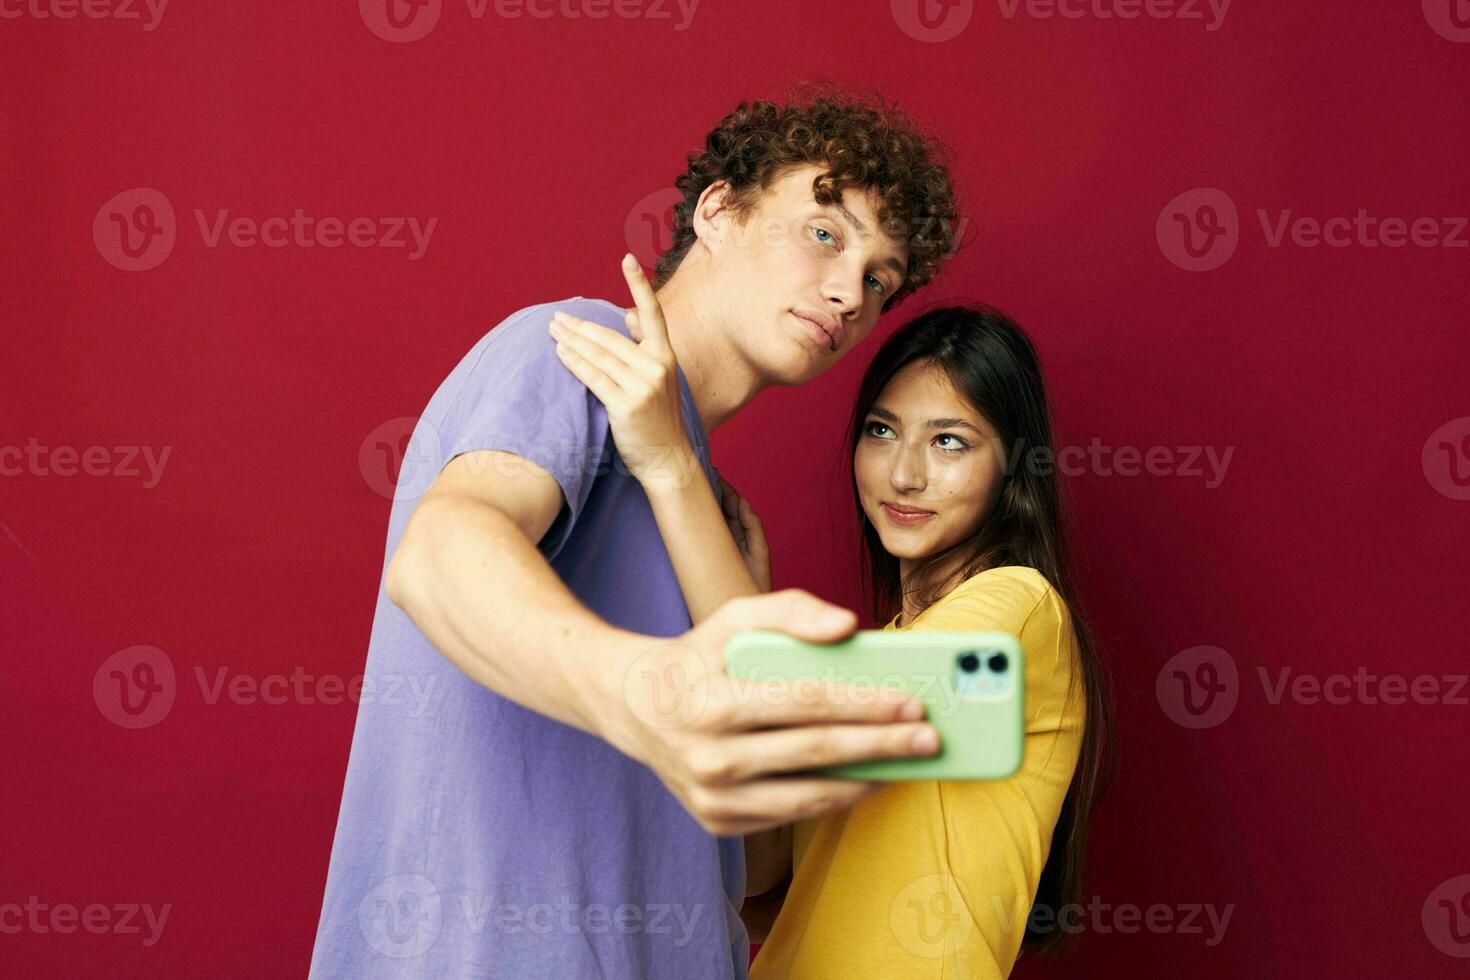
(875, 425)
(882, 289)
(960, 443)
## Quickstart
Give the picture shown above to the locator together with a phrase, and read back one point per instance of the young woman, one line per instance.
(961, 530)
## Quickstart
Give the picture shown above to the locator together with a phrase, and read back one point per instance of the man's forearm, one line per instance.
(487, 599)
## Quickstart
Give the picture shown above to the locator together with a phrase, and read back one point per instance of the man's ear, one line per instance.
(712, 216)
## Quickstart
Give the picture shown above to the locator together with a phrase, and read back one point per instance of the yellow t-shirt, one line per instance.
(936, 879)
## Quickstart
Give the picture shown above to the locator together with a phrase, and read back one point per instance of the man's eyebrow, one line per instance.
(888, 416)
(852, 219)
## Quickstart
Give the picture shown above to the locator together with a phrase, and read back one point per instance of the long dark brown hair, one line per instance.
(991, 363)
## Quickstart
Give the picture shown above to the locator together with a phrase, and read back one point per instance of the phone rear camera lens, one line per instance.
(997, 663)
(969, 663)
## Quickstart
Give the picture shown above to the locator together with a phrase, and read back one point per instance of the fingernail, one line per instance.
(912, 711)
(926, 740)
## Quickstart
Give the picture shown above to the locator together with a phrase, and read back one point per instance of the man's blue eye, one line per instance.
(881, 288)
(823, 231)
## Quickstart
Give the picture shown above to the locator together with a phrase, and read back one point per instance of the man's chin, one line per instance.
(795, 371)
(809, 365)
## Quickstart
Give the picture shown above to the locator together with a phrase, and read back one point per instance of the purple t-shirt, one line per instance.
(477, 838)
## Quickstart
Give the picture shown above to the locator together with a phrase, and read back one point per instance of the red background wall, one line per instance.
(1334, 544)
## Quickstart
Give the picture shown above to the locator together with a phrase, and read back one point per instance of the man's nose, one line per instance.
(845, 297)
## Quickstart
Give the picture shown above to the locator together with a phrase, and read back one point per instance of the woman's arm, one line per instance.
(767, 876)
(710, 565)
(636, 378)
(767, 859)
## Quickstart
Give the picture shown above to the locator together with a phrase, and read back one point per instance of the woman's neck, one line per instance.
(910, 587)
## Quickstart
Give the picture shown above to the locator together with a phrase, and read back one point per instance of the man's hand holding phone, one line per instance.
(725, 748)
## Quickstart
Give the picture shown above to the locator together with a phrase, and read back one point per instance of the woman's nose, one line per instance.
(908, 469)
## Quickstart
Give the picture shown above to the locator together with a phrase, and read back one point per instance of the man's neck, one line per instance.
(719, 378)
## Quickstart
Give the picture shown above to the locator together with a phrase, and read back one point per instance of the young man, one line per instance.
(567, 798)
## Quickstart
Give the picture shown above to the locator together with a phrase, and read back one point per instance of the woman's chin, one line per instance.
(902, 546)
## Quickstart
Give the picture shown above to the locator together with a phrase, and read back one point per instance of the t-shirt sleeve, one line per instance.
(516, 396)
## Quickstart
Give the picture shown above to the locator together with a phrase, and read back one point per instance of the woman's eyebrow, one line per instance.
(888, 416)
(954, 424)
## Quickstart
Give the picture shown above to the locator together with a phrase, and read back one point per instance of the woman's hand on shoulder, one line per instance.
(637, 381)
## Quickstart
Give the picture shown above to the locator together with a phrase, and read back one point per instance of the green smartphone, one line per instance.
(971, 683)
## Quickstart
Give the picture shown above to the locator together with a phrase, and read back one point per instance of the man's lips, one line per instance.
(826, 326)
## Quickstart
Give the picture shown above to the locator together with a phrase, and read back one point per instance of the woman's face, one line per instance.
(923, 447)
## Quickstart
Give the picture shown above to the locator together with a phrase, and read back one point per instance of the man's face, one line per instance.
(796, 277)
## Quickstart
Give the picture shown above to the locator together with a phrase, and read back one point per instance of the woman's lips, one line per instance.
(906, 520)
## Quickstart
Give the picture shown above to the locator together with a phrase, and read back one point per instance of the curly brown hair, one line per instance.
(863, 143)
